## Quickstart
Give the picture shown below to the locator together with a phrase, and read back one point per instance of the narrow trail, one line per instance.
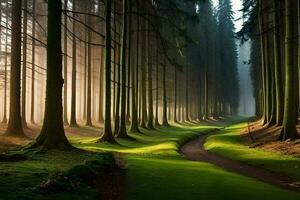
(194, 150)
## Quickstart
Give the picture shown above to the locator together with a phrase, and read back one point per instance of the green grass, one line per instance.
(156, 170)
(164, 140)
(176, 178)
(228, 143)
(19, 179)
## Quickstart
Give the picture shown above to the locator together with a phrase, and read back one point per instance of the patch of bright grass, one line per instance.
(155, 170)
(164, 140)
(228, 143)
(176, 178)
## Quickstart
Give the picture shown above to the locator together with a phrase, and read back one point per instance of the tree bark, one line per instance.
(150, 92)
(175, 96)
(107, 135)
(143, 116)
(129, 56)
(24, 70)
(4, 120)
(52, 135)
(123, 132)
(187, 89)
(101, 77)
(65, 102)
(277, 65)
(156, 123)
(32, 111)
(73, 122)
(89, 76)
(290, 113)
(165, 118)
(134, 80)
(15, 123)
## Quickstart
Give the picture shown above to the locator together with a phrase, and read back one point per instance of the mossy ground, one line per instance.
(155, 169)
(229, 143)
(18, 180)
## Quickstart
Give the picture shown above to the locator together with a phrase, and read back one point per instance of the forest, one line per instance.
(149, 99)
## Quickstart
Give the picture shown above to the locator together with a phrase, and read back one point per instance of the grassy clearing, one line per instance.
(164, 140)
(228, 143)
(26, 175)
(155, 170)
(176, 178)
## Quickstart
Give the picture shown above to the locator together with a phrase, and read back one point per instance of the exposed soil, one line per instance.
(194, 150)
(267, 139)
(111, 186)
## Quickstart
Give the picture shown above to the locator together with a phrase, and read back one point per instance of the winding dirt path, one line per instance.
(194, 150)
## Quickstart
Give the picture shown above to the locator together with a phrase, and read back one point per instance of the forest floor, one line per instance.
(194, 150)
(154, 166)
(267, 139)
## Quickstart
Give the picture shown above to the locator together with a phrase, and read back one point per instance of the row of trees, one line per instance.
(274, 30)
(134, 62)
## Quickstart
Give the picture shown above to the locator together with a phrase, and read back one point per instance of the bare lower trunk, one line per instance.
(65, 103)
(24, 70)
(32, 111)
(73, 122)
(14, 122)
(52, 135)
(107, 135)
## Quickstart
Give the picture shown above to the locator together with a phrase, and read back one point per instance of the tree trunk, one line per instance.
(117, 99)
(101, 76)
(129, 56)
(150, 93)
(15, 123)
(134, 80)
(263, 64)
(138, 61)
(277, 65)
(298, 49)
(116, 86)
(107, 135)
(205, 94)
(165, 119)
(65, 107)
(33, 63)
(290, 113)
(1, 37)
(143, 116)
(4, 120)
(156, 123)
(122, 132)
(52, 135)
(175, 96)
(73, 122)
(117, 95)
(268, 81)
(89, 77)
(187, 89)
(85, 90)
(24, 71)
